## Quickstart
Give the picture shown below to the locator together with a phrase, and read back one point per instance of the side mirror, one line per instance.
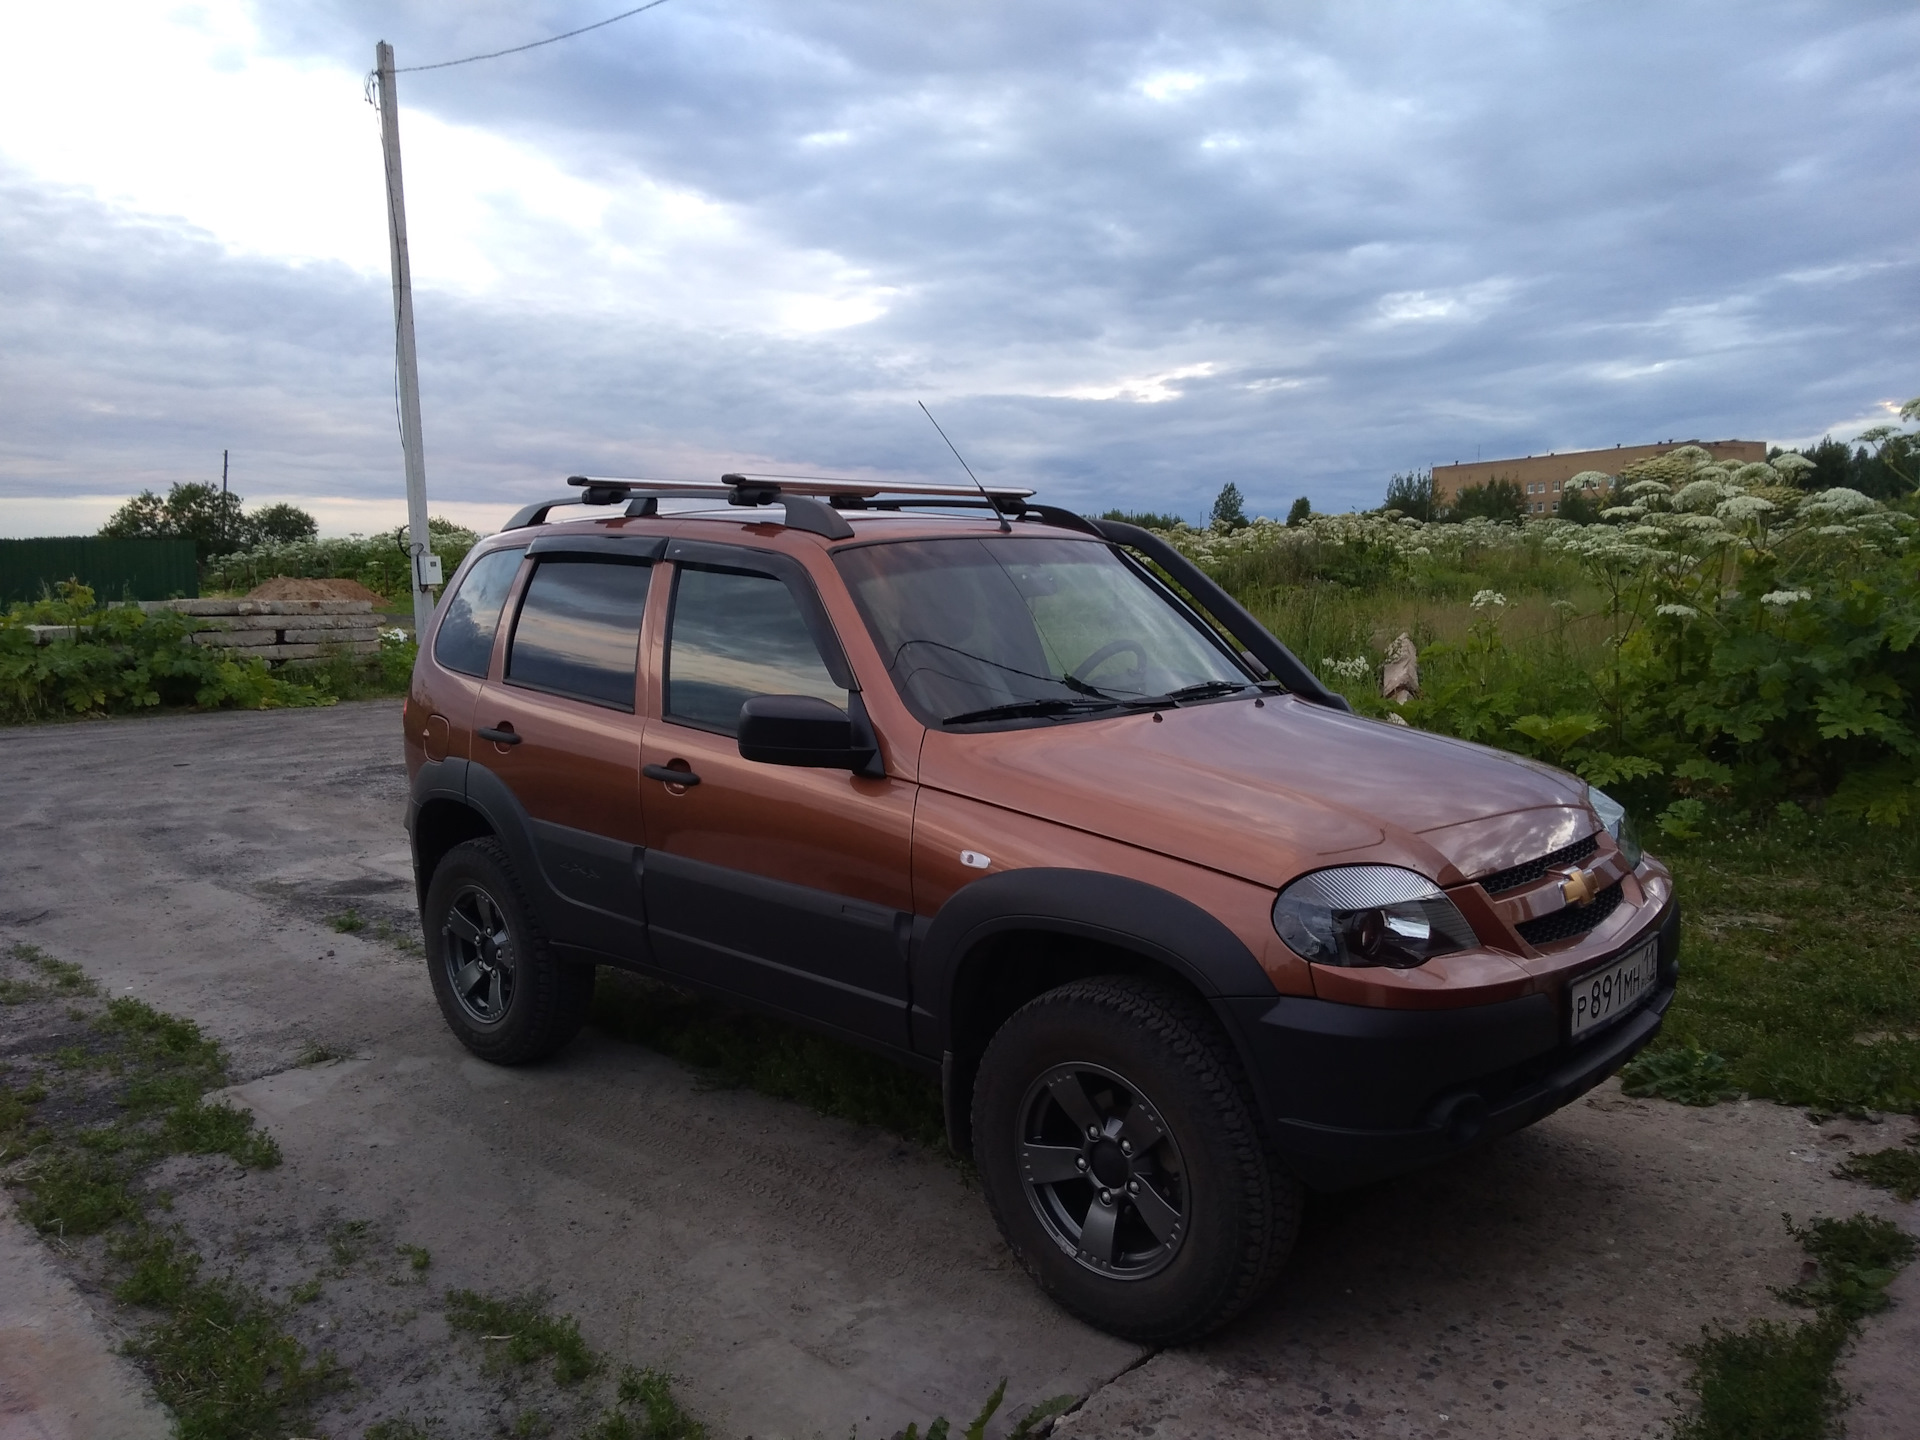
(799, 730)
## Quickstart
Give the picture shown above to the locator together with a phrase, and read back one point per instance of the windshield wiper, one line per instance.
(1025, 709)
(1207, 688)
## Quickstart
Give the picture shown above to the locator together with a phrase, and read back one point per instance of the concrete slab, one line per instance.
(61, 1374)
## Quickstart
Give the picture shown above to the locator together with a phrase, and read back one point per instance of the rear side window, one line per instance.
(735, 636)
(464, 641)
(578, 633)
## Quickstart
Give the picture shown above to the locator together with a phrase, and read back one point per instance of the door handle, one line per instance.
(502, 734)
(670, 775)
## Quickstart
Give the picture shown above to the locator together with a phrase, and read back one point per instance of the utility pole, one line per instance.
(224, 527)
(426, 565)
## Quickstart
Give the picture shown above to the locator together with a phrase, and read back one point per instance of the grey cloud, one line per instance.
(1440, 229)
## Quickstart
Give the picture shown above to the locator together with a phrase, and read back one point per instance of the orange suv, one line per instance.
(1028, 803)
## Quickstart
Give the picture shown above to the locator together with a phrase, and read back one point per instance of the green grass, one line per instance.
(1775, 1380)
(1799, 971)
(734, 1049)
(216, 1352)
(520, 1331)
(347, 922)
(645, 1408)
(224, 1366)
(403, 1428)
(47, 977)
(1891, 1169)
(941, 1428)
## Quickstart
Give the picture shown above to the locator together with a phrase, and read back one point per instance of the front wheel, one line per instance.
(1119, 1152)
(499, 987)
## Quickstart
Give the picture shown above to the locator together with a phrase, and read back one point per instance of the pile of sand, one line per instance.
(286, 587)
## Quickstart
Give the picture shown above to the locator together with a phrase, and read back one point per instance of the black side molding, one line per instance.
(1254, 637)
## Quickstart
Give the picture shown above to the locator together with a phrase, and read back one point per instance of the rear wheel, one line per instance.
(1119, 1151)
(499, 987)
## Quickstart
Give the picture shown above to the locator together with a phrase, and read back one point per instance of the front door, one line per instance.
(790, 886)
(560, 730)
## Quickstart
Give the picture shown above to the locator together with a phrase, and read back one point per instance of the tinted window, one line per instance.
(578, 632)
(465, 639)
(736, 636)
(969, 625)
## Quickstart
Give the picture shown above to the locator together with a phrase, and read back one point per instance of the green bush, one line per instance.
(125, 659)
(378, 562)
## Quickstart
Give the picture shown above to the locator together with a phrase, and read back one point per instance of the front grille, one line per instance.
(1526, 874)
(1574, 920)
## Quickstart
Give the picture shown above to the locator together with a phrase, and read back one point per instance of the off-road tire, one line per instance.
(549, 998)
(1243, 1208)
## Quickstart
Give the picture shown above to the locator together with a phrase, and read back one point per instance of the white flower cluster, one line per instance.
(1784, 598)
(1356, 668)
(1483, 598)
(1677, 509)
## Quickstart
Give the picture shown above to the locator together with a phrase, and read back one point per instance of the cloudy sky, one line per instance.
(1125, 252)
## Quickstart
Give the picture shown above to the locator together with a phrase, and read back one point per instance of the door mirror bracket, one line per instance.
(806, 730)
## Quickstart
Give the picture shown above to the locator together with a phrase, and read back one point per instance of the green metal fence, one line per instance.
(115, 569)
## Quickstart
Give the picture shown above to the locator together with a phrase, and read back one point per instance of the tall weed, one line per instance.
(1719, 639)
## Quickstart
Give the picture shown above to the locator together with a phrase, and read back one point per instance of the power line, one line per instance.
(534, 45)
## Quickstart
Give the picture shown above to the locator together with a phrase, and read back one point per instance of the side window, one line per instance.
(465, 639)
(578, 631)
(733, 637)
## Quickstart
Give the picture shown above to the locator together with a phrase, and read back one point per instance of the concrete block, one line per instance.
(305, 636)
(236, 639)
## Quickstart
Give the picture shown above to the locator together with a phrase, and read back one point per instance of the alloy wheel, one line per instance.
(1102, 1171)
(478, 955)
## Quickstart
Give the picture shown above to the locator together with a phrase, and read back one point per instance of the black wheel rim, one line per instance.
(1102, 1171)
(478, 955)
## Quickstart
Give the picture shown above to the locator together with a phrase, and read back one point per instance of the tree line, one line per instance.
(216, 520)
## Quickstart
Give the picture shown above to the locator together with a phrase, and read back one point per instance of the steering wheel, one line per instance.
(1105, 653)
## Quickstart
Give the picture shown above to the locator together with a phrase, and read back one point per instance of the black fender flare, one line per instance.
(436, 782)
(488, 795)
(1131, 915)
(475, 788)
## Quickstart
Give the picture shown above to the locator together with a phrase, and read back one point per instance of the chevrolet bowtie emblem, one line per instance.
(1577, 888)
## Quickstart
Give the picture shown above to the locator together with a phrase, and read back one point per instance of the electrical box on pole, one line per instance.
(426, 565)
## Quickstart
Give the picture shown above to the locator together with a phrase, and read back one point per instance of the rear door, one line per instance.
(784, 885)
(558, 733)
(463, 643)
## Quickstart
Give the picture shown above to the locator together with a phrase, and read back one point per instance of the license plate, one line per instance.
(1602, 996)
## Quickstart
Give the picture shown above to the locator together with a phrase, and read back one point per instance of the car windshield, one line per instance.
(985, 629)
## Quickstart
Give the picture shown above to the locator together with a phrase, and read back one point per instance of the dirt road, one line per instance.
(799, 1275)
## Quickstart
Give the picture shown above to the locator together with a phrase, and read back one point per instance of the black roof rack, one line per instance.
(811, 501)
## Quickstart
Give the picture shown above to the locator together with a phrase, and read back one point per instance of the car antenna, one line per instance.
(1005, 528)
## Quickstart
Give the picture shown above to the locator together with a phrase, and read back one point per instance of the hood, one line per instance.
(1265, 792)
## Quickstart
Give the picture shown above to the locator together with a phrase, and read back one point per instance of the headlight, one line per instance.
(1369, 915)
(1613, 815)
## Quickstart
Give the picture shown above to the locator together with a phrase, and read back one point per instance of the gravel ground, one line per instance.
(798, 1275)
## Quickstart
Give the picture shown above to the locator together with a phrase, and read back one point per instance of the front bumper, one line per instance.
(1355, 1093)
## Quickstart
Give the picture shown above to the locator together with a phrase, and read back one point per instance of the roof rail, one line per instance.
(810, 500)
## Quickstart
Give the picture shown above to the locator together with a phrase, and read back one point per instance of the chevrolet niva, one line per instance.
(1028, 803)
